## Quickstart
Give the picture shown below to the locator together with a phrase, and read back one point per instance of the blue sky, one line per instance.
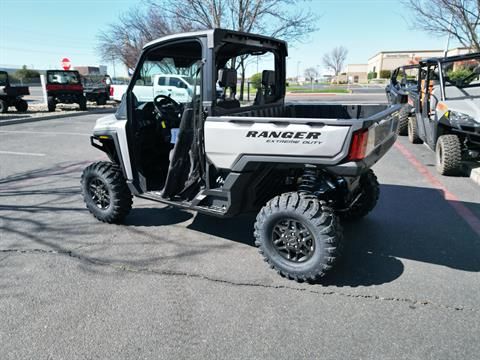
(41, 33)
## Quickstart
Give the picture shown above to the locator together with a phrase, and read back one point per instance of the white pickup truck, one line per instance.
(178, 87)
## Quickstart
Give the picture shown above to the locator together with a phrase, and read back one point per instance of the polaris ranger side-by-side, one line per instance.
(403, 82)
(448, 110)
(12, 95)
(302, 167)
(64, 86)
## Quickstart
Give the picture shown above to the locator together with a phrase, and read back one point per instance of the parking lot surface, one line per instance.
(171, 284)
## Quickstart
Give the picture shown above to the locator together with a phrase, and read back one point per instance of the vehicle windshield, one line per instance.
(461, 73)
(63, 77)
(3, 79)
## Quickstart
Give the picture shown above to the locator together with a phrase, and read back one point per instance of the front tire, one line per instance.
(298, 235)
(413, 131)
(51, 103)
(448, 155)
(105, 192)
(21, 105)
(366, 200)
(403, 120)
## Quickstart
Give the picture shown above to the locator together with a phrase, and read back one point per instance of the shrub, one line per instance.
(459, 74)
(385, 74)
(372, 75)
(256, 80)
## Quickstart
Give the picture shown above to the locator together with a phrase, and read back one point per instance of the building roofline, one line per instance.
(403, 51)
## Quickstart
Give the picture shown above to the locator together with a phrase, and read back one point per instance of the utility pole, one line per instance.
(298, 71)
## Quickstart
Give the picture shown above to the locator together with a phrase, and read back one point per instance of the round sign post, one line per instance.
(66, 64)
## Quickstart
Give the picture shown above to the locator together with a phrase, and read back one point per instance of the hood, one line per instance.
(465, 101)
(105, 123)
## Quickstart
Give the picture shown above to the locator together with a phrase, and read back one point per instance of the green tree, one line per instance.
(256, 80)
(24, 73)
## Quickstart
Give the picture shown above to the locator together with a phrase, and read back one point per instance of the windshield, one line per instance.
(3, 79)
(63, 77)
(462, 73)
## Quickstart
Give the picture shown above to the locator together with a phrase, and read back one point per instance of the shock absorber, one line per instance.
(309, 180)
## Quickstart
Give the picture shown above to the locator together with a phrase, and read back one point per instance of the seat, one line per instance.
(266, 93)
(227, 79)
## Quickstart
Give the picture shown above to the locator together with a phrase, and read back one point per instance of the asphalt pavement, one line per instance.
(172, 284)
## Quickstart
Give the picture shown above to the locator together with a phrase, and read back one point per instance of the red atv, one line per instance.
(64, 86)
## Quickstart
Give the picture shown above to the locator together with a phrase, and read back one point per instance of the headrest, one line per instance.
(268, 78)
(227, 78)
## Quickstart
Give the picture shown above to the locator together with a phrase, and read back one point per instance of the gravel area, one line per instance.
(39, 110)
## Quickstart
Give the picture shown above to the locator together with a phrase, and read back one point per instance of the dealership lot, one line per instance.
(174, 284)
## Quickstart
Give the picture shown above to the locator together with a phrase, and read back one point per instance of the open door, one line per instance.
(157, 121)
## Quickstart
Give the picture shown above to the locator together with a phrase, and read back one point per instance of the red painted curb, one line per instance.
(464, 212)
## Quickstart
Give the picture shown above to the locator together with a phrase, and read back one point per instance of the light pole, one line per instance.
(298, 72)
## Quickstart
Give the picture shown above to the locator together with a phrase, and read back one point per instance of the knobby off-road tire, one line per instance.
(448, 155)
(21, 105)
(105, 192)
(413, 131)
(51, 103)
(82, 102)
(302, 219)
(101, 99)
(369, 194)
(403, 120)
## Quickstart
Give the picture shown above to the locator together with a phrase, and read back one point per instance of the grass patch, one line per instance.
(320, 91)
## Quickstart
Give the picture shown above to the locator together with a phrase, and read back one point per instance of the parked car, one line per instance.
(303, 167)
(403, 81)
(12, 95)
(64, 86)
(447, 112)
(97, 88)
(178, 87)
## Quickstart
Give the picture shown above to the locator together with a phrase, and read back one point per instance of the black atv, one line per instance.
(97, 88)
(12, 95)
(64, 86)
(403, 82)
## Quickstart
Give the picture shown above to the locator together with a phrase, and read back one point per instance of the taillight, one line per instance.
(358, 147)
(111, 90)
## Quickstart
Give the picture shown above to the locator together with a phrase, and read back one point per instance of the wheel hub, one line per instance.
(292, 240)
(99, 194)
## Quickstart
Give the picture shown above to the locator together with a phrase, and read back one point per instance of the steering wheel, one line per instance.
(162, 101)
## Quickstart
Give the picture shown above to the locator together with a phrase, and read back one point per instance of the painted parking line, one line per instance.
(20, 153)
(464, 212)
(42, 132)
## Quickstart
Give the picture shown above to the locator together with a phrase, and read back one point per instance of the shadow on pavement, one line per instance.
(409, 222)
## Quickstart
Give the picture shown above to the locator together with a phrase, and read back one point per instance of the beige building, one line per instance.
(357, 73)
(390, 60)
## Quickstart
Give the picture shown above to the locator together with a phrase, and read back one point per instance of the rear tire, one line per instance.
(105, 192)
(82, 102)
(298, 235)
(448, 155)
(21, 105)
(367, 200)
(403, 120)
(51, 103)
(413, 131)
(101, 100)
(3, 106)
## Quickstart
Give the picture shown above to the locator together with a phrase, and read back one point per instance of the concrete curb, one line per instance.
(472, 170)
(56, 116)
